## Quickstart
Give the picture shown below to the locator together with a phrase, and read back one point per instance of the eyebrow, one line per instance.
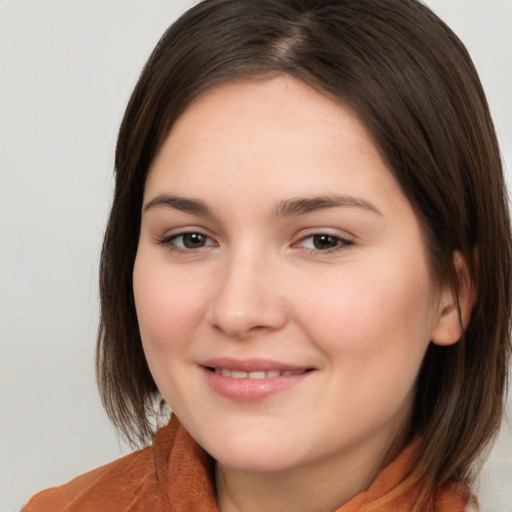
(286, 208)
(301, 206)
(178, 203)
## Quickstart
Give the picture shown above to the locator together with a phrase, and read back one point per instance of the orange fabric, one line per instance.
(176, 475)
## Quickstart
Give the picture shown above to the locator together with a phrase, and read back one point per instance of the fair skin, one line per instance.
(274, 239)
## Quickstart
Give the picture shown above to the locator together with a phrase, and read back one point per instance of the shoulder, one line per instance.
(454, 497)
(114, 485)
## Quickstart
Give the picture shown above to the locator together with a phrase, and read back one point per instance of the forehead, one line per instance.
(271, 107)
(279, 128)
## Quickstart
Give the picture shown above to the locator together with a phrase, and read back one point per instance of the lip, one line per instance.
(251, 365)
(252, 389)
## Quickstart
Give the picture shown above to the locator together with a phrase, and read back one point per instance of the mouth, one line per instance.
(256, 374)
(253, 380)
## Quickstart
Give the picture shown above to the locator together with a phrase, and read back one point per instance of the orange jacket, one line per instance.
(176, 475)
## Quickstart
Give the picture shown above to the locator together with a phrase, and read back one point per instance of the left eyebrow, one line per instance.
(303, 205)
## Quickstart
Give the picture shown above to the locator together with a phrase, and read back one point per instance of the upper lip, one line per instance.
(251, 365)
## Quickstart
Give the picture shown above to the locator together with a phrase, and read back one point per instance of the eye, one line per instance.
(323, 242)
(187, 241)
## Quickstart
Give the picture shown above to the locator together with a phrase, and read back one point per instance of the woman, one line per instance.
(308, 257)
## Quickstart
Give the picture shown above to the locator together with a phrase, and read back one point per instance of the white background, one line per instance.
(66, 71)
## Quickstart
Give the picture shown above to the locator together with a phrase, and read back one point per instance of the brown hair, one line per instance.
(413, 85)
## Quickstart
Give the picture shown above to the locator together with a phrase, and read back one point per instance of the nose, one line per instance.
(248, 298)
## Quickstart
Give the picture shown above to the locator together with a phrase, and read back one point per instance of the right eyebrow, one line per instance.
(183, 204)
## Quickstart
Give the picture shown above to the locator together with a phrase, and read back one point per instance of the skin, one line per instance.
(357, 308)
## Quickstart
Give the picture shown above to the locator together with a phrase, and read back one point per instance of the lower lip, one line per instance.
(250, 390)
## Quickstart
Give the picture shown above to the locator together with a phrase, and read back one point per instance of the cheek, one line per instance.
(169, 306)
(371, 313)
(373, 329)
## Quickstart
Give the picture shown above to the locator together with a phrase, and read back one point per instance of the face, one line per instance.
(281, 281)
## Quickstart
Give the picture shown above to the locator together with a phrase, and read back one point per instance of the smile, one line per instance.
(271, 374)
(254, 379)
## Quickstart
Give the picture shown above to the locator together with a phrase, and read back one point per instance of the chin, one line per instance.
(255, 455)
(256, 463)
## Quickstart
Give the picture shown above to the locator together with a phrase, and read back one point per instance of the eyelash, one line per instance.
(169, 242)
(341, 243)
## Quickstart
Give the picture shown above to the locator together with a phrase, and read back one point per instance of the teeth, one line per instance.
(257, 375)
(271, 374)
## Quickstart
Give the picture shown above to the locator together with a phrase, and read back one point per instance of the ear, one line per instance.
(455, 311)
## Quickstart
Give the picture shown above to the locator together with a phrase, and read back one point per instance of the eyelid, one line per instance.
(168, 240)
(344, 241)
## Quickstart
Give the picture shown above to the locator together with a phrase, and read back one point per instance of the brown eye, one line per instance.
(325, 242)
(187, 241)
(193, 240)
